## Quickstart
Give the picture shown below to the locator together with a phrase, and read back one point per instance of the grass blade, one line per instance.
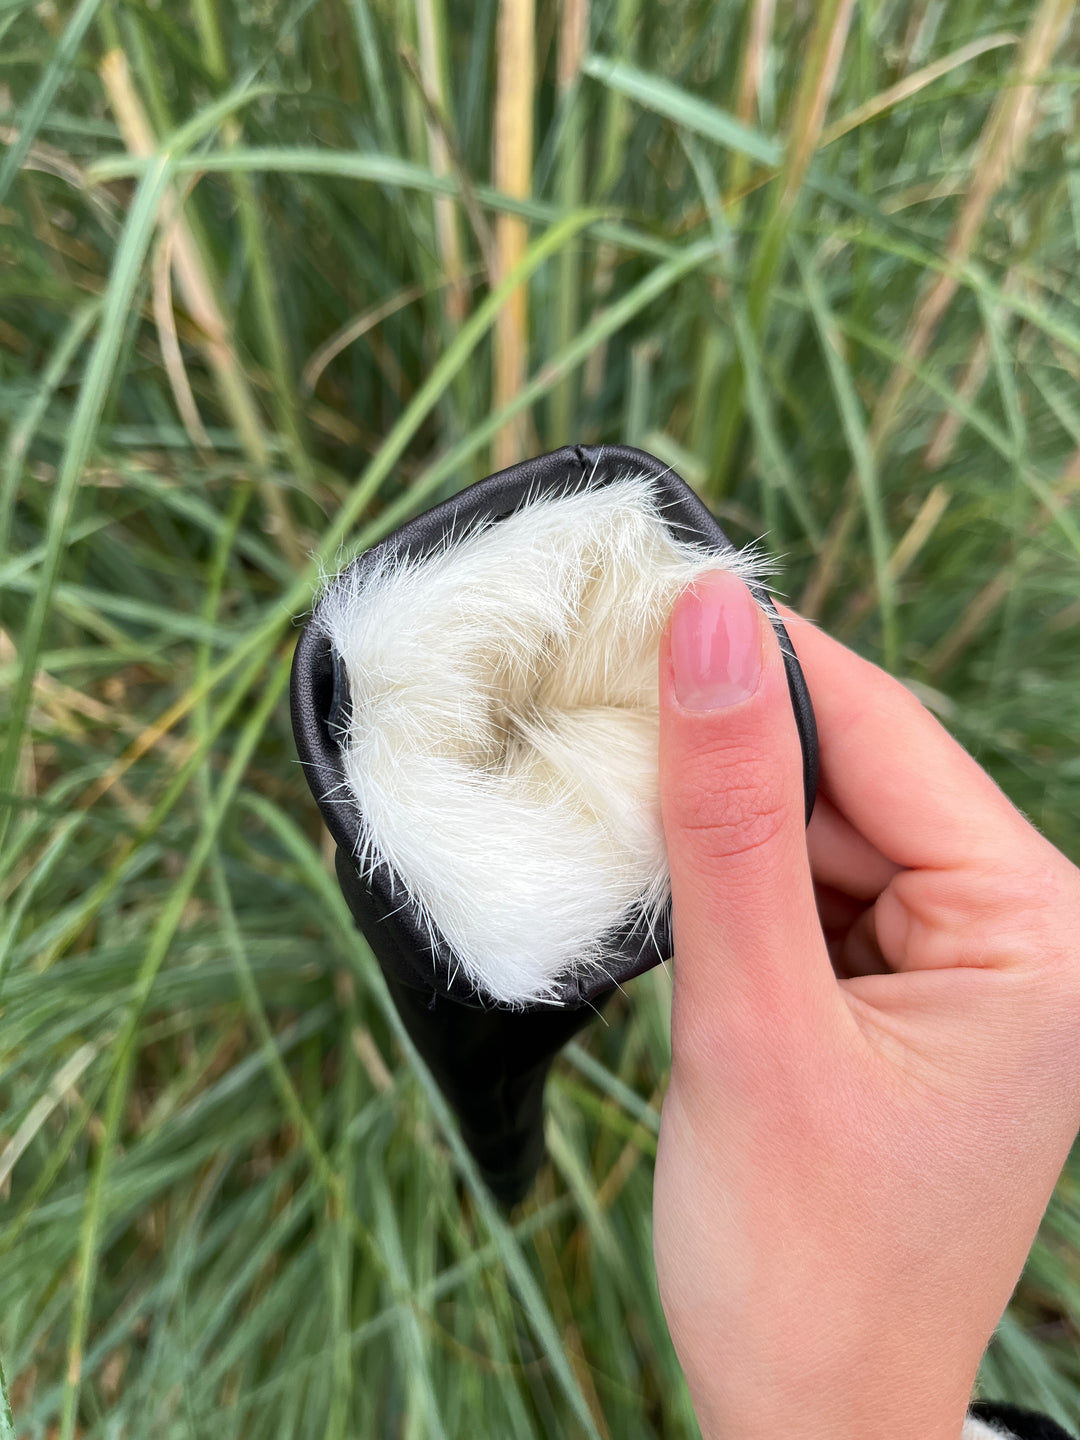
(862, 454)
(129, 257)
(52, 78)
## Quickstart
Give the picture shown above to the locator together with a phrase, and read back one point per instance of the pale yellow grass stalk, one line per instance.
(752, 57)
(817, 80)
(572, 45)
(813, 97)
(169, 341)
(904, 556)
(513, 176)
(573, 40)
(447, 229)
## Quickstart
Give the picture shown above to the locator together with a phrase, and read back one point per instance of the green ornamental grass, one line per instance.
(275, 277)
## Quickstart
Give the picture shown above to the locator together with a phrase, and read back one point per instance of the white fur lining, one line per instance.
(501, 740)
(975, 1429)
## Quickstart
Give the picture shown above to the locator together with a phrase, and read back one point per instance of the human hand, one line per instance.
(875, 1041)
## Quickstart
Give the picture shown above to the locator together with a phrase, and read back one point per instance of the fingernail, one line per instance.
(715, 643)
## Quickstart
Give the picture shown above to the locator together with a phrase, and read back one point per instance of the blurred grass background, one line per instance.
(275, 277)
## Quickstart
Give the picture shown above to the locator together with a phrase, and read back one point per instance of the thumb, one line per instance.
(748, 944)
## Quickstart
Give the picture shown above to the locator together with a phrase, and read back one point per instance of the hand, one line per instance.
(875, 1041)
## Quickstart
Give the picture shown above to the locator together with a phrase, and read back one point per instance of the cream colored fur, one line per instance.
(982, 1430)
(502, 738)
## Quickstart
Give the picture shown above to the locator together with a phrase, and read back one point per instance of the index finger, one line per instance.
(892, 769)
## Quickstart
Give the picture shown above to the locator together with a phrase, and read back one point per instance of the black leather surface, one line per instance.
(1024, 1424)
(491, 1060)
(492, 1065)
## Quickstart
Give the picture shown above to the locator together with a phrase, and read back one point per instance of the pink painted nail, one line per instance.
(715, 643)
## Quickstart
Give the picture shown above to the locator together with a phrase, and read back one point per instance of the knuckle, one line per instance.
(1049, 912)
(1014, 913)
(1033, 910)
(727, 806)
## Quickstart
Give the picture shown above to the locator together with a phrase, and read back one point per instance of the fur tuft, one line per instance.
(501, 740)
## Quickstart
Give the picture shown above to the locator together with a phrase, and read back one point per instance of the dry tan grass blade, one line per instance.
(447, 230)
(1002, 142)
(573, 42)
(755, 49)
(513, 176)
(201, 302)
(171, 354)
(911, 85)
(811, 103)
(997, 589)
(903, 557)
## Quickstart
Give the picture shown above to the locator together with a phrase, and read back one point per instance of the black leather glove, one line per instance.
(490, 1059)
(1016, 1423)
